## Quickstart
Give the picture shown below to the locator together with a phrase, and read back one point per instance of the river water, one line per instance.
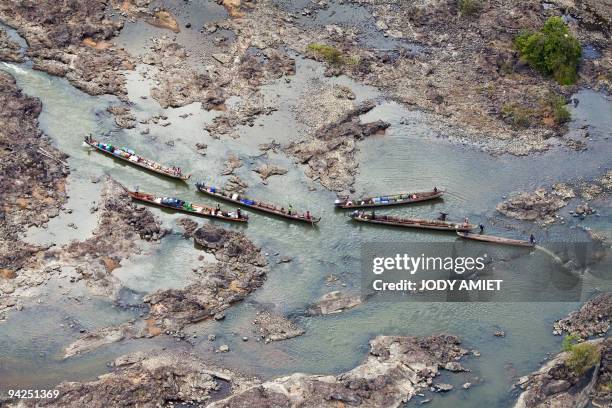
(409, 156)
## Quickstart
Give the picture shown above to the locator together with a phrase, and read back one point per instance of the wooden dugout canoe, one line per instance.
(188, 208)
(255, 205)
(412, 222)
(495, 240)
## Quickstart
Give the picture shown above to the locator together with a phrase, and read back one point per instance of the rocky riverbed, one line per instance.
(237, 269)
(32, 181)
(395, 370)
(465, 70)
(428, 56)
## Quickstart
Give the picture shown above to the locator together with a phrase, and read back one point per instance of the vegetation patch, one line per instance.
(552, 51)
(469, 7)
(582, 356)
(331, 54)
(517, 115)
(549, 110)
(555, 106)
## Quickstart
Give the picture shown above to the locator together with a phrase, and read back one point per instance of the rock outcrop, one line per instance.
(148, 380)
(592, 319)
(333, 302)
(556, 385)
(274, 327)
(540, 206)
(330, 156)
(396, 369)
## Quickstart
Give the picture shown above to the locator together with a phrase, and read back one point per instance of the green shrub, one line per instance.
(552, 50)
(582, 356)
(519, 116)
(554, 106)
(469, 7)
(569, 341)
(327, 52)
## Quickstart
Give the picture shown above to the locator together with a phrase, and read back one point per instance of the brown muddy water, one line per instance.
(412, 154)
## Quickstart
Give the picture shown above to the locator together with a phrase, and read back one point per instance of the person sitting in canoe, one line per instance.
(442, 216)
(373, 214)
(290, 209)
(307, 215)
(239, 213)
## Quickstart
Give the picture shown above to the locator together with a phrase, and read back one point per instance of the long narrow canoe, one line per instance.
(129, 156)
(495, 240)
(411, 222)
(189, 208)
(393, 199)
(257, 205)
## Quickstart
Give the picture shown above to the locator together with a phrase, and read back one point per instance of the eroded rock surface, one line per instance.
(32, 182)
(396, 369)
(330, 156)
(591, 319)
(71, 39)
(9, 49)
(556, 385)
(239, 269)
(148, 380)
(334, 302)
(274, 327)
(540, 206)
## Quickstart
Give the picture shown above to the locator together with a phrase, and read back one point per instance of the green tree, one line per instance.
(553, 50)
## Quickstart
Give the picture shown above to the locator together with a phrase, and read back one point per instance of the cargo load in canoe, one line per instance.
(132, 158)
(189, 208)
(385, 200)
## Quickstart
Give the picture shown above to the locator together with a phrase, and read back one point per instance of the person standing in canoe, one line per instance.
(289, 209)
(532, 239)
(481, 227)
(435, 189)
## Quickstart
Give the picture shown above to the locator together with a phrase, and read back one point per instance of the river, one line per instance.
(408, 155)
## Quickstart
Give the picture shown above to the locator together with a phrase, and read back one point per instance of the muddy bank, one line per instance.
(156, 378)
(329, 156)
(592, 319)
(556, 384)
(32, 181)
(394, 371)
